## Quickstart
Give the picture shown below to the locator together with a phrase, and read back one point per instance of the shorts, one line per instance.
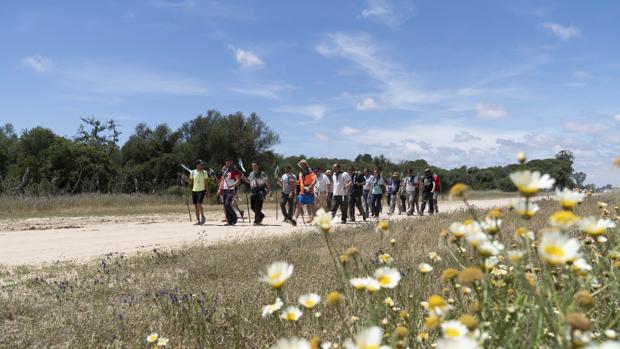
(305, 199)
(198, 197)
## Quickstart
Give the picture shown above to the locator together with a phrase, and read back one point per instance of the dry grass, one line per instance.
(211, 296)
(89, 204)
(128, 204)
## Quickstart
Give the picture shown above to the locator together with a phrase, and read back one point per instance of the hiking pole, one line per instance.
(189, 211)
(275, 174)
(247, 201)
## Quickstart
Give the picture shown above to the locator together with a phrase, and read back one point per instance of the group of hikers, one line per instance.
(333, 190)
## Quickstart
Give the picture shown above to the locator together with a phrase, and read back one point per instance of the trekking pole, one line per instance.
(275, 174)
(247, 201)
(301, 209)
(189, 211)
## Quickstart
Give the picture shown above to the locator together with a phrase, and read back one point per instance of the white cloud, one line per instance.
(585, 126)
(247, 59)
(37, 62)
(389, 12)
(582, 74)
(174, 4)
(398, 87)
(367, 103)
(490, 111)
(561, 31)
(315, 111)
(133, 80)
(321, 136)
(269, 91)
(464, 136)
(349, 131)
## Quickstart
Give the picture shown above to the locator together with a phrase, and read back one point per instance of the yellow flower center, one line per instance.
(596, 230)
(309, 303)
(554, 251)
(452, 332)
(436, 302)
(568, 204)
(370, 346)
(384, 280)
(527, 191)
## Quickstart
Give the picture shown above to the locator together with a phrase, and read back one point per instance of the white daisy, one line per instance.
(581, 267)
(309, 300)
(151, 338)
(457, 229)
(424, 268)
(278, 273)
(529, 183)
(369, 338)
(595, 227)
(291, 314)
(453, 329)
(491, 225)
(556, 248)
(323, 220)
(526, 211)
(272, 308)
(461, 343)
(292, 343)
(605, 345)
(568, 198)
(387, 277)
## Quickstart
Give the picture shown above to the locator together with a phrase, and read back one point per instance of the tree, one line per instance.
(579, 178)
(565, 155)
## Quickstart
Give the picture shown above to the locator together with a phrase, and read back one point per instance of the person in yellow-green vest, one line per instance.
(198, 179)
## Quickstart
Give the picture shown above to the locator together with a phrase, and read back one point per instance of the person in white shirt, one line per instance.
(287, 199)
(411, 189)
(366, 196)
(341, 184)
(330, 189)
(321, 189)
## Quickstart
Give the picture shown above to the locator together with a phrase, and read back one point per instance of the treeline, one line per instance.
(39, 162)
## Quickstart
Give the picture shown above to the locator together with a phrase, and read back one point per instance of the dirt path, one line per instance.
(45, 240)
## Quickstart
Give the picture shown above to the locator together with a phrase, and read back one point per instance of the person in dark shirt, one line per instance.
(428, 186)
(395, 194)
(357, 191)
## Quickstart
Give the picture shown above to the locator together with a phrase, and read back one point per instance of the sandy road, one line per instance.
(46, 240)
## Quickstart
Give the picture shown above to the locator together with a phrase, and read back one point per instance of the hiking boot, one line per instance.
(293, 222)
(203, 220)
(198, 223)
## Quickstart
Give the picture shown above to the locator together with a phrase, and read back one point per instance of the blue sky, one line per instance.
(454, 82)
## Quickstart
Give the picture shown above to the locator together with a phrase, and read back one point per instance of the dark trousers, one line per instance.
(286, 205)
(403, 203)
(427, 197)
(229, 197)
(256, 204)
(365, 202)
(376, 204)
(329, 200)
(356, 200)
(340, 201)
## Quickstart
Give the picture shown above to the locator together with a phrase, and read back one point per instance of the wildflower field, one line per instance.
(541, 274)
